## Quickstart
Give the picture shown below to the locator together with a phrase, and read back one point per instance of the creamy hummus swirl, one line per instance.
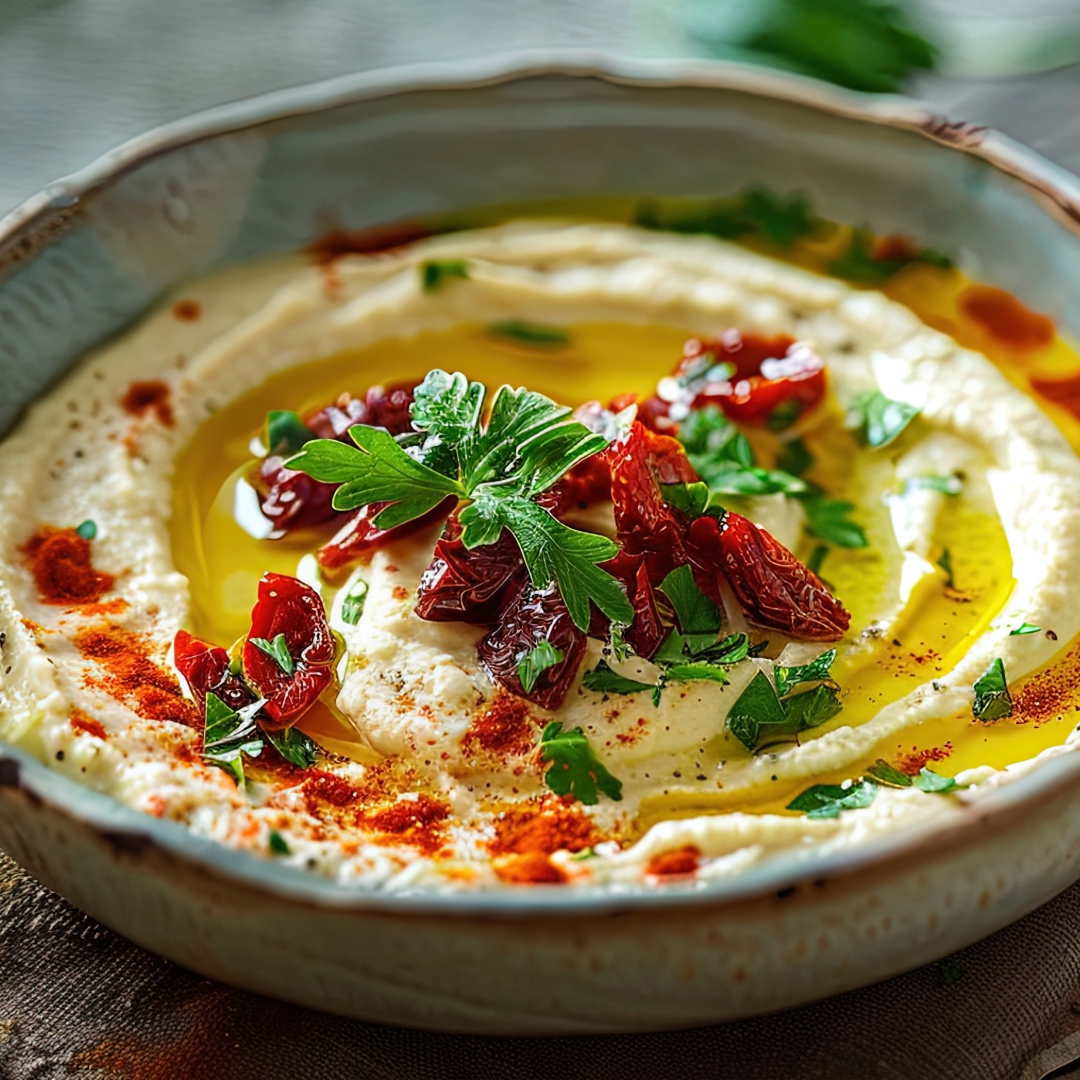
(413, 690)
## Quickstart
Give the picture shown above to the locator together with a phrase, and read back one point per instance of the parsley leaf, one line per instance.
(352, 606)
(809, 709)
(815, 671)
(828, 519)
(878, 420)
(945, 562)
(889, 775)
(757, 705)
(795, 458)
(947, 485)
(88, 529)
(860, 44)
(827, 800)
(527, 445)
(992, 700)
(1025, 628)
(696, 670)
(690, 499)
(277, 843)
(277, 650)
(436, 273)
(535, 662)
(533, 334)
(859, 264)
(930, 782)
(756, 212)
(294, 746)
(575, 769)
(697, 613)
(227, 735)
(605, 681)
(286, 433)
(816, 558)
(379, 471)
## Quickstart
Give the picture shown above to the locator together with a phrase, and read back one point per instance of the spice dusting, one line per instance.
(128, 674)
(59, 560)
(153, 396)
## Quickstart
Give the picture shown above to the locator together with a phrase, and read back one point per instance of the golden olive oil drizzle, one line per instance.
(224, 563)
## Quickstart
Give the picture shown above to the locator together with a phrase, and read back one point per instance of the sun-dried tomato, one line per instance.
(382, 406)
(287, 606)
(754, 378)
(360, 534)
(468, 586)
(647, 631)
(529, 617)
(644, 522)
(773, 588)
(586, 483)
(205, 668)
(293, 500)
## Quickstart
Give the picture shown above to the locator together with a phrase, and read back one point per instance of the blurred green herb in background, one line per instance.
(860, 44)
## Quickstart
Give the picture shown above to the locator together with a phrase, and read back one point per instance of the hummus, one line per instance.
(131, 516)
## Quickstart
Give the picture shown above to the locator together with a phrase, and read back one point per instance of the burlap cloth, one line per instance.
(80, 1003)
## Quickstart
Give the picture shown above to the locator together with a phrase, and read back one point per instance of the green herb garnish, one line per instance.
(815, 671)
(755, 707)
(859, 265)
(436, 273)
(698, 615)
(535, 662)
(878, 420)
(286, 433)
(889, 775)
(795, 457)
(947, 485)
(294, 746)
(816, 558)
(88, 529)
(1025, 628)
(829, 520)
(945, 562)
(757, 212)
(528, 444)
(575, 769)
(527, 333)
(352, 606)
(278, 651)
(992, 700)
(605, 681)
(228, 735)
(277, 843)
(827, 800)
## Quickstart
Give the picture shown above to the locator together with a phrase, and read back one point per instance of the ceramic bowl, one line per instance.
(89, 254)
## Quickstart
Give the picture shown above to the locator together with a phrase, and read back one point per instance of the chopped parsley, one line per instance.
(699, 616)
(829, 520)
(815, 671)
(499, 468)
(605, 681)
(435, 273)
(294, 746)
(795, 457)
(88, 529)
(278, 651)
(925, 780)
(277, 843)
(352, 606)
(858, 264)
(575, 770)
(877, 420)
(992, 700)
(1025, 628)
(827, 800)
(533, 334)
(947, 485)
(815, 559)
(757, 212)
(228, 735)
(535, 662)
(286, 433)
(945, 562)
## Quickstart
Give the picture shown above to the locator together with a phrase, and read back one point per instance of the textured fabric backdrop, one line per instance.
(76, 1001)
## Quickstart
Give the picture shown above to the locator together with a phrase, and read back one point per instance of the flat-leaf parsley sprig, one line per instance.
(498, 469)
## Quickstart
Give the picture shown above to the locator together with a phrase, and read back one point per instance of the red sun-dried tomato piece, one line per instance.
(205, 668)
(293, 500)
(382, 406)
(646, 633)
(287, 606)
(764, 374)
(360, 533)
(467, 586)
(586, 483)
(529, 617)
(644, 522)
(773, 588)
